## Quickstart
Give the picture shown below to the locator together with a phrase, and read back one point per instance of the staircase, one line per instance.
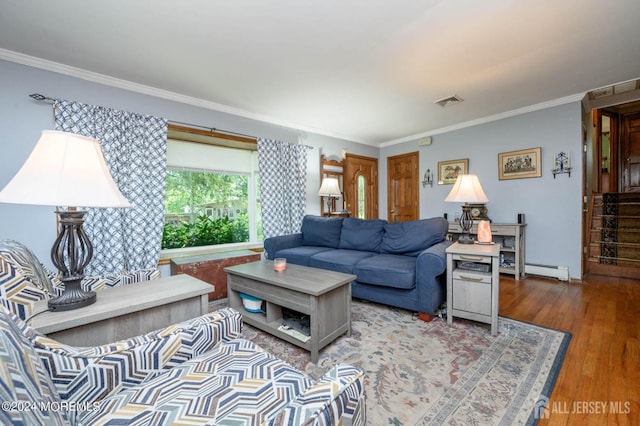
(614, 235)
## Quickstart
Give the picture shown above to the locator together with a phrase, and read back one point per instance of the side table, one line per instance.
(473, 283)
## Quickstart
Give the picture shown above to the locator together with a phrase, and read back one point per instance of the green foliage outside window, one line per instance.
(206, 231)
(205, 208)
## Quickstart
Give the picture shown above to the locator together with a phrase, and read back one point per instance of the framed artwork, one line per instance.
(525, 163)
(448, 171)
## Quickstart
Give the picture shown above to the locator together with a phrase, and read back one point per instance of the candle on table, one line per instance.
(280, 264)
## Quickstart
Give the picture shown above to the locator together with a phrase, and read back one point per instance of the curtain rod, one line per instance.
(42, 98)
(212, 129)
(215, 129)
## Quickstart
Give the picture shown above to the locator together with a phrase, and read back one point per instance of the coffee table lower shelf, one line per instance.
(329, 308)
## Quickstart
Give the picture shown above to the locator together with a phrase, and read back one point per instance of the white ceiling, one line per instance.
(364, 70)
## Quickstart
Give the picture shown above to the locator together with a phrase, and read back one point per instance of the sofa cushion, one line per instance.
(389, 270)
(235, 382)
(321, 231)
(339, 260)
(300, 255)
(410, 238)
(362, 234)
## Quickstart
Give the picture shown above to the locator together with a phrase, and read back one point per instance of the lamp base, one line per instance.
(71, 252)
(465, 239)
(73, 297)
(466, 223)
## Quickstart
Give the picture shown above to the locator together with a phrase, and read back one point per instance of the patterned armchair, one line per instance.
(196, 372)
(24, 280)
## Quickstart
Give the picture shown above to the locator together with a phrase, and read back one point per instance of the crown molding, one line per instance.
(106, 80)
(537, 107)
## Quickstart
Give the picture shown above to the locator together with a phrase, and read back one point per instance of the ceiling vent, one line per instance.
(449, 100)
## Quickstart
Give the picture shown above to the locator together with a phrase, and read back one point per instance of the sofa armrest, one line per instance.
(336, 399)
(98, 282)
(431, 267)
(434, 259)
(281, 242)
(91, 374)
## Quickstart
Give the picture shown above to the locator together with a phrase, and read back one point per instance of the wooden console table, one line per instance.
(126, 311)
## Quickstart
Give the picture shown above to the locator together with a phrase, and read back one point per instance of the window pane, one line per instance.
(361, 197)
(205, 208)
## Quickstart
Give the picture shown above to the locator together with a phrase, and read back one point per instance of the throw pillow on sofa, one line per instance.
(410, 238)
(362, 234)
(321, 231)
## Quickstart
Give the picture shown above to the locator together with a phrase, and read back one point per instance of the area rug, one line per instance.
(420, 373)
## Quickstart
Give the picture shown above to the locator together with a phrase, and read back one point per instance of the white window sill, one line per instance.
(168, 254)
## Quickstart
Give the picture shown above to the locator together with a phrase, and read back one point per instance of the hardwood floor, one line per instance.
(599, 382)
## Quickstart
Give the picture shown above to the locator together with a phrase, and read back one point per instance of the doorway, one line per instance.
(611, 185)
(617, 148)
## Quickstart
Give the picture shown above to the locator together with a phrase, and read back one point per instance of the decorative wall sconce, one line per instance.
(562, 164)
(428, 179)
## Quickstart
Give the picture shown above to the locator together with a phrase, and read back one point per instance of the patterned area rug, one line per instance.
(421, 373)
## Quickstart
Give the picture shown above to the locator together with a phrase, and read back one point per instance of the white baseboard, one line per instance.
(559, 272)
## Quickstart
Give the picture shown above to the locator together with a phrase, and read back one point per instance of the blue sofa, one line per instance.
(400, 264)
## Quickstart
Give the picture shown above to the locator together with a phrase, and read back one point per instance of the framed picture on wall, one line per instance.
(525, 163)
(448, 171)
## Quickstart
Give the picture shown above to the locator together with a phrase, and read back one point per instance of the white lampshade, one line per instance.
(467, 189)
(330, 188)
(64, 169)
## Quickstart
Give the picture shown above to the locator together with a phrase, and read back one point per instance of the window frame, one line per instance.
(213, 137)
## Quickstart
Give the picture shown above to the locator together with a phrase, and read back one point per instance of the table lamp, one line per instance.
(467, 189)
(66, 170)
(330, 188)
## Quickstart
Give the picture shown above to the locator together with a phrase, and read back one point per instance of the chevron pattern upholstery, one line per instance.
(195, 372)
(23, 378)
(238, 384)
(24, 280)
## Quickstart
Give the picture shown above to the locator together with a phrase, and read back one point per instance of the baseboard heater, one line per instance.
(559, 272)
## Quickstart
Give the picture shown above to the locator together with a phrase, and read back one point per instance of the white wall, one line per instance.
(552, 206)
(22, 119)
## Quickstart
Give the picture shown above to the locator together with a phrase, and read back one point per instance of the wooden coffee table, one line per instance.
(323, 295)
(126, 311)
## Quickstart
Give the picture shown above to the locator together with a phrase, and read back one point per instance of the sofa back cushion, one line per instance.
(17, 292)
(321, 231)
(410, 238)
(23, 377)
(362, 234)
(27, 264)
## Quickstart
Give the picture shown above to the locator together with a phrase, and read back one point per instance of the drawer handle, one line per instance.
(470, 277)
(463, 257)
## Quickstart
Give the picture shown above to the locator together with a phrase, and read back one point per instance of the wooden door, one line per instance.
(402, 187)
(630, 153)
(361, 186)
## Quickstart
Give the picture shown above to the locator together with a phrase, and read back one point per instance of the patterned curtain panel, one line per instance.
(283, 186)
(134, 148)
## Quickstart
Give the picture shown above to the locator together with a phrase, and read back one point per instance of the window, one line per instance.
(362, 198)
(211, 195)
